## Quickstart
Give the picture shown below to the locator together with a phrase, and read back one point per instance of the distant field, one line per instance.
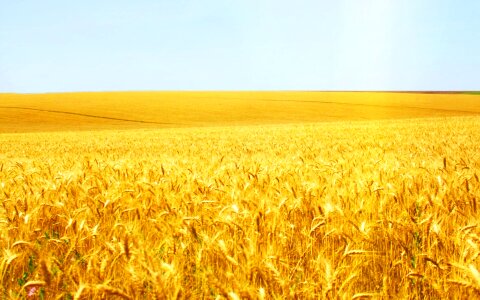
(129, 110)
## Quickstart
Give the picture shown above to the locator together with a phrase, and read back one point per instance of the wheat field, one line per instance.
(134, 110)
(231, 196)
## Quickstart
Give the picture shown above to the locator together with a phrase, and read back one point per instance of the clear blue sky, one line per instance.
(48, 46)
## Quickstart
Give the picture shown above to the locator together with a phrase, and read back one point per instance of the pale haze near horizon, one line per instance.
(54, 46)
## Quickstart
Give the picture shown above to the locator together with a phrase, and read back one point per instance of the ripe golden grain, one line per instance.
(368, 209)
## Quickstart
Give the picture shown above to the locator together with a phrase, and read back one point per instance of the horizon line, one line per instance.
(255, 91)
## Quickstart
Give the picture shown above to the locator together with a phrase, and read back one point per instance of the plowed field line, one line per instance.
(87, 115)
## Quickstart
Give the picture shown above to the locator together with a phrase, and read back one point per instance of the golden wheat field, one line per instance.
(134, 110)
(239, 196)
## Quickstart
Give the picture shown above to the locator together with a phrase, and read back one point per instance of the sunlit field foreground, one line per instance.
(327, 210)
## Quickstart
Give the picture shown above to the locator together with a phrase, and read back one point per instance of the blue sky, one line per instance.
(48, 46)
